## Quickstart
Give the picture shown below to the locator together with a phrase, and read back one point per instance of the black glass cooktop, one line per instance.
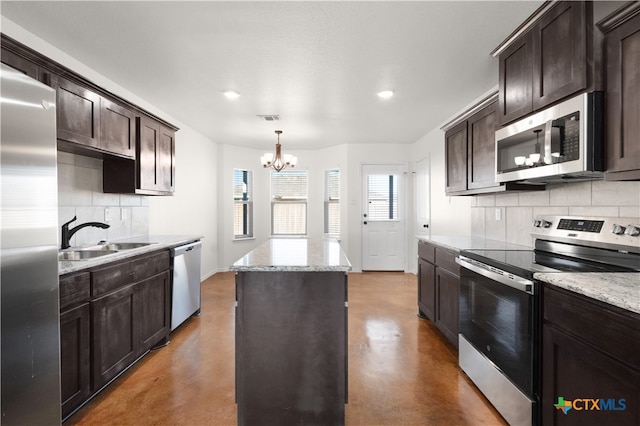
(526, 262)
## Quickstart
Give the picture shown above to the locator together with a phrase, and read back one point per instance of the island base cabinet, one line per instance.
(291, 348)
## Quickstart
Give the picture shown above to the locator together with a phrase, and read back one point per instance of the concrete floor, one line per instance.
(401, 370)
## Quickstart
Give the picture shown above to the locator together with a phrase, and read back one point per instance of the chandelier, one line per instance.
(280, 162)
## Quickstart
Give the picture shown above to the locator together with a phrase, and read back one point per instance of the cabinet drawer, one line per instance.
(446, 259)
(149, 265)
(74, 289)
(110, 278)
(426, 252)
(606, 327)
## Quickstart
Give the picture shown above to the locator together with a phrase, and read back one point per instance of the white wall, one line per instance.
(194, 207)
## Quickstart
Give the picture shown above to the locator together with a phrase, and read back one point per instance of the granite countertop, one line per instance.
(621, 289)
(157, 242)
(457, 243)
(295, 254)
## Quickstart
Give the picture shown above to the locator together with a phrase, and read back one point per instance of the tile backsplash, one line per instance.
(80, 194)
(508, 217)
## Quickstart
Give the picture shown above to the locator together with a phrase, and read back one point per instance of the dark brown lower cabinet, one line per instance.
(448, 302)
(114, 345)
(426, 289)
(291, 348)
(590, 361)
(151, 299)
(111, 316)
(75, 359)
(439, 289)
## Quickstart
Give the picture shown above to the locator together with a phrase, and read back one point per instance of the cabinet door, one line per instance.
(75, 360)
(515, 76)
(166, 159)
(455, 143)
(575, 371)
(447, 304)
(559, 53)
(481, 168)
(117, 131)
(155, 156)
(426, 289)
(152, 305)
(78, 113)
(623, 102)
(114, 341)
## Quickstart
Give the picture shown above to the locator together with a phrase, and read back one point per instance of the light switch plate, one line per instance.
(107, 215)
(123, 214)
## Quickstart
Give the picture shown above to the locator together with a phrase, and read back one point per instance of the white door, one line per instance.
(423, 198)
(383, 217)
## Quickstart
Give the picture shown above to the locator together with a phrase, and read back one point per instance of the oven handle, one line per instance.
(518, 283)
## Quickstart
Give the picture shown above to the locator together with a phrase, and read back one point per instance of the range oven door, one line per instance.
(498, 317)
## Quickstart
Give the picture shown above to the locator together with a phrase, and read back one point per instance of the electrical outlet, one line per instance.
(498, 214)
(123, 214)
(107, 215)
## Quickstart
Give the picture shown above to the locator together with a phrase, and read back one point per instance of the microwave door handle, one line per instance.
(547, 142)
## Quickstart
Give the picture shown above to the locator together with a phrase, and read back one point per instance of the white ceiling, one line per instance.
(317, 64)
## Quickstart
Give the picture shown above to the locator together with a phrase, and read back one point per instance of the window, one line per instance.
(242, 203)
(289, 202)
(383, 197)
(332, 202)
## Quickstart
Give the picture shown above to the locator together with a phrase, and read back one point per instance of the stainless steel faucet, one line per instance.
(68, 233)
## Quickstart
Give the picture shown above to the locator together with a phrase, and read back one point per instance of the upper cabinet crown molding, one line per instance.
(620, 16)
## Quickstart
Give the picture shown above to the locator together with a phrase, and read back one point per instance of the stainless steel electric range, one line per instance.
(499, 341)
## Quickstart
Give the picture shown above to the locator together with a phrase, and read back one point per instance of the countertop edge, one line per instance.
(619, 289)
(157, 242)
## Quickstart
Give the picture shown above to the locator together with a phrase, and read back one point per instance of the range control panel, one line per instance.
(616, 233)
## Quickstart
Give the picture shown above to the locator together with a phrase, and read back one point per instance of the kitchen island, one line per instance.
(291, 333)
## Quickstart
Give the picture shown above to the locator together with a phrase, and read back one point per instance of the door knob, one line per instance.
(365, 222)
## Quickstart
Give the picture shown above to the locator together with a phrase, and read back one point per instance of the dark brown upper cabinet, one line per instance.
(78, 109)
(552, 59)
(117, 129)
(470, 153)
(153, 171)
(455, 152)
(94, 122)
(156, 156)
(622, 99)
(481, 133)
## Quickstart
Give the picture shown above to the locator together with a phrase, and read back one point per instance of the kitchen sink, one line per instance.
(122, 246)
(83, 254)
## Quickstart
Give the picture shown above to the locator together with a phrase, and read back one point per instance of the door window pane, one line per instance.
(382, 193)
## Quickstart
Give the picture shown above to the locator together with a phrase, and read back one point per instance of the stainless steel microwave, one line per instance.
(561, 143)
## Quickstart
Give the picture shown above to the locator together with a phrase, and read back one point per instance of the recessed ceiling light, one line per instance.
(385, 94)
(230, 94)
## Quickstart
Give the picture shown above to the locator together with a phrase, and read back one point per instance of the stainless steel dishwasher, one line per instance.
(186, 261)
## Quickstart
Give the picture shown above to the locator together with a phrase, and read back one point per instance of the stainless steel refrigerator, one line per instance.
(29, 309)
